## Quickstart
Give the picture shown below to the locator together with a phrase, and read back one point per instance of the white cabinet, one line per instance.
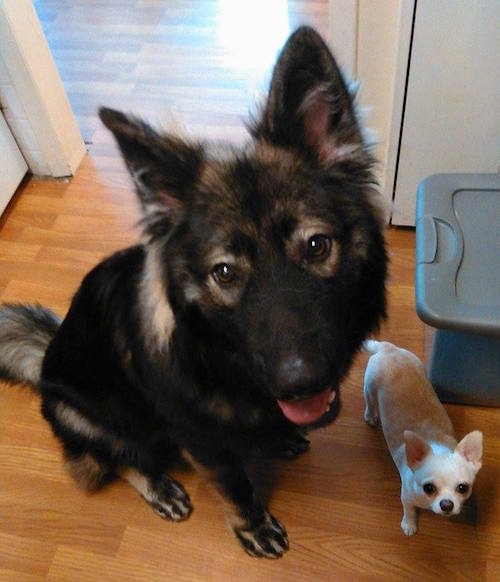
(12, 165)
(451, 119)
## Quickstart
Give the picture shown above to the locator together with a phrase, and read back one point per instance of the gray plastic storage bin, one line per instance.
(458, 283)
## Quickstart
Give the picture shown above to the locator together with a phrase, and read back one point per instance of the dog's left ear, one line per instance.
(416, 449)
(471, 447)
(309, 107)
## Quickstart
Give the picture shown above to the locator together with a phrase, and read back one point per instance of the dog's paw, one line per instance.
(170, 501)
(408, 526)
(266, 540)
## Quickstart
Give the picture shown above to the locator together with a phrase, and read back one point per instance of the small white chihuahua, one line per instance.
(436, 472)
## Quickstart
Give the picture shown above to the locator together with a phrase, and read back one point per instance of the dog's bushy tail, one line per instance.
(25, 333)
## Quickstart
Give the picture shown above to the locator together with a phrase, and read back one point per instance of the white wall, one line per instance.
(12, 164)
(344, 34)
(371, 41)
(384, 33)
(33, 100)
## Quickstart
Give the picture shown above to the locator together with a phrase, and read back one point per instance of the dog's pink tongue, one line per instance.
(308, 410)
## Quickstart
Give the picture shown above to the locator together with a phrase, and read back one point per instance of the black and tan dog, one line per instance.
(228, 330)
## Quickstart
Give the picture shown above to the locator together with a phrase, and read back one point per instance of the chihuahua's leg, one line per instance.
(371, 409)
(409, 521)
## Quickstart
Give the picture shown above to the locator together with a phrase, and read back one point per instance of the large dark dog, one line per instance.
(228, 330)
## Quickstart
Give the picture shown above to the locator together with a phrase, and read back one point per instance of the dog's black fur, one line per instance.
(260, 273)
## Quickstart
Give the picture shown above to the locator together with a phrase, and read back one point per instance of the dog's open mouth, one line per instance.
(308, 410)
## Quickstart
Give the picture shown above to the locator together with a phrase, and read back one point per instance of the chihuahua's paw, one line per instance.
(371, 418)
(409, 527)
(268, 539)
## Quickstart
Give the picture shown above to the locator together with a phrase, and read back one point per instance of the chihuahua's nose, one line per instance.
(446, 505)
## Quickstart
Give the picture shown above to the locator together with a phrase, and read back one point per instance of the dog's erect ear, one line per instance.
(162, 167)
(416, 449)
(471, 448)
(309, 107)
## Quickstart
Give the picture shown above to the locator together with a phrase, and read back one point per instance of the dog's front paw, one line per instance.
(268, 539)
(170, 501)
(409, 526)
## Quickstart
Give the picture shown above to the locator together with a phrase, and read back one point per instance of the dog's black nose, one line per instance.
(446, 505)
(296, 376)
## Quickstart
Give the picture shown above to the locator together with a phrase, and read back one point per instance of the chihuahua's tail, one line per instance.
(373, 346)
(25, 333)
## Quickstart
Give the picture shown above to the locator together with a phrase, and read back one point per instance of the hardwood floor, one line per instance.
(340, 501)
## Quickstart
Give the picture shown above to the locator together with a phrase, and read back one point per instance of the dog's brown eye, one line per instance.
(463, 488)
(318, 247)
(223, 274)
(429, 488)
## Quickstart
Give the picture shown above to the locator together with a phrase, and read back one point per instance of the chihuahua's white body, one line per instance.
(436, 472)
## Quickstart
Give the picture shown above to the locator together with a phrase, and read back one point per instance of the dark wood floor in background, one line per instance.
(204, 62)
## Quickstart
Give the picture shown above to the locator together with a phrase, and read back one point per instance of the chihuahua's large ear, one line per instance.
(471, 448)
(162, 167)
(309, 107)
(416, 449)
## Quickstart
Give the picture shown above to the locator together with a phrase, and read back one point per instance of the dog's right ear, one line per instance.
(309, 107)
(416, 449)
(162, 167)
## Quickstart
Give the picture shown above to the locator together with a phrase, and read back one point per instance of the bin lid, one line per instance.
(457, 282)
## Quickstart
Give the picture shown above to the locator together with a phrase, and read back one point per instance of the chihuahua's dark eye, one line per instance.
(223, 274)
(463, 488)
(429, 488)
(318, 247)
